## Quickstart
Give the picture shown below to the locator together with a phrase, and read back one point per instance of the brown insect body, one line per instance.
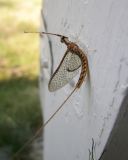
(74, 48)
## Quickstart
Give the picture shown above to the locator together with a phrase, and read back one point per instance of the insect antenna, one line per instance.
(54, 34)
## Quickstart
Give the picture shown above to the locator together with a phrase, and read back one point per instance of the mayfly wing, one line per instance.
(74, 63)
(65, 71)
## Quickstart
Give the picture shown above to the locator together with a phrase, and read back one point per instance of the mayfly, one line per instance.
(73, 59)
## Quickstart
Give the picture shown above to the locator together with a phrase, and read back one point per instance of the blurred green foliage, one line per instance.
(20, 112)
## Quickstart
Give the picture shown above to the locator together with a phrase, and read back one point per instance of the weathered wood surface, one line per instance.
(91, 112)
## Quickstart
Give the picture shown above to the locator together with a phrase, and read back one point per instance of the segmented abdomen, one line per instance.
(84, 68)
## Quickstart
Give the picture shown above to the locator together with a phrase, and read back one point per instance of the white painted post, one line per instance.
(92, 110)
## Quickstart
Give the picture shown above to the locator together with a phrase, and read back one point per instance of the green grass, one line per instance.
(20, 112)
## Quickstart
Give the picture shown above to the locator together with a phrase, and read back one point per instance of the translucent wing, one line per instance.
(74, 63)
(67, 69)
